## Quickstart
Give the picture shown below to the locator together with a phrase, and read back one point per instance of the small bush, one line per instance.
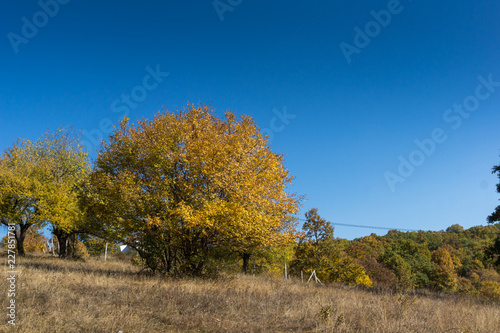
(490, 290)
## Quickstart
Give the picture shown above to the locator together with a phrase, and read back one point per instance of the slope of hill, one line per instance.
(95, 296)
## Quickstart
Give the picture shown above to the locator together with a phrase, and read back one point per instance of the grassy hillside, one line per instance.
(95, 296)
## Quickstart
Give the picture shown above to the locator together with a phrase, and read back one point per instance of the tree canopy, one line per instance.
(39, 182)
(66, 168)
(495, 216)
(22, 194)
(318, 251)
(186, 182)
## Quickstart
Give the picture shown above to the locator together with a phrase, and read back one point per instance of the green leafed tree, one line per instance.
(316, 245)
(316, 228)
(495, 216)
(318, 251)
(399, 266)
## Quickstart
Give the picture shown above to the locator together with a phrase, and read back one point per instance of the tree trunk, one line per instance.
(62, 238)
(20, 234)
(246, 260)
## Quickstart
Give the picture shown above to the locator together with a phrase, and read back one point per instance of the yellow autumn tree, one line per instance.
(21, 191)
(444, 276)
(65, 168)
(176, 187)
(34, 241)
(39, 183)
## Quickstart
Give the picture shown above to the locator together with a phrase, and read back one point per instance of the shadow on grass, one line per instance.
(52, 264)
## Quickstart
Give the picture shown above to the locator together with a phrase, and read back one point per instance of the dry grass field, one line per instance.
(96, 296)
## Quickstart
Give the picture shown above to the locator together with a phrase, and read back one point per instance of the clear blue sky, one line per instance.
(359, 100)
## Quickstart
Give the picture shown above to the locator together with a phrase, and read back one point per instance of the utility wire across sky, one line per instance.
(366, 226)
(374, 227)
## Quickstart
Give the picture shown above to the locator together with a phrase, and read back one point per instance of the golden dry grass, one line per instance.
(95, 296)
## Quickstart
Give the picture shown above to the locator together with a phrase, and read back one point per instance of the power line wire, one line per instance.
(366, 226)
(387, 228)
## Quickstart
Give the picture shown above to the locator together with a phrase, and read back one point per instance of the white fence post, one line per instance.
(312, 274)
(315, 277)
(106, 252)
